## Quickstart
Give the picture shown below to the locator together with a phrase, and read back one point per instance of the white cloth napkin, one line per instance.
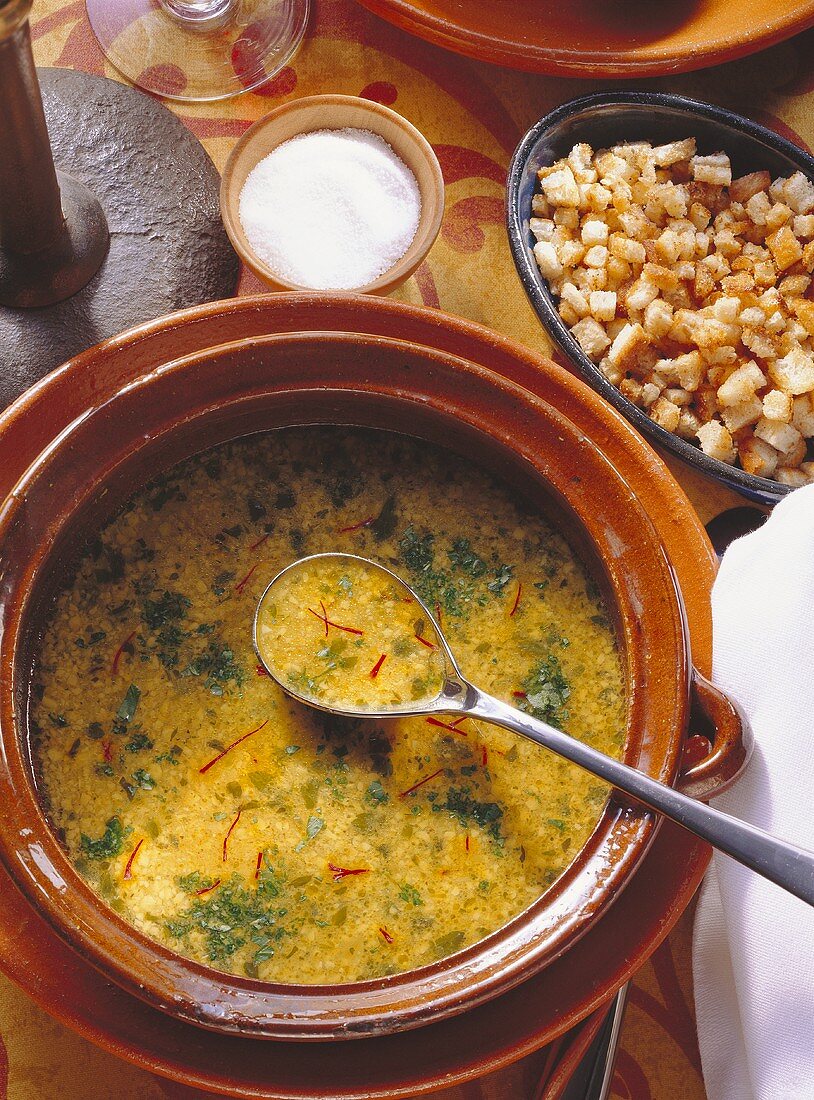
(753, 949)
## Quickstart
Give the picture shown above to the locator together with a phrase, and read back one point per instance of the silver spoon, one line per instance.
(450, 693)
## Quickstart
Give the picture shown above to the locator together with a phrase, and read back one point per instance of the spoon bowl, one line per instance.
(329, 675)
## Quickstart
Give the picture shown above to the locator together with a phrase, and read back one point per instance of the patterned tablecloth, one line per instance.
(473, 114)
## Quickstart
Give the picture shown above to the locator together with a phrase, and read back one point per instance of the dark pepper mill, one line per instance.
(53, 233)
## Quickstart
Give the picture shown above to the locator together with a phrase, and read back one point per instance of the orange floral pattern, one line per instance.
(474, 115)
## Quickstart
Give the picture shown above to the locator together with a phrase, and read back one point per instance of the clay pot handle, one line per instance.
(717, 721)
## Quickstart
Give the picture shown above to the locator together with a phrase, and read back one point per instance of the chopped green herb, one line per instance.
(465, 559)
(376, 793)
(139, 742)
(488, 815)
(503, 574)
(109, 843)
(128, 705)
(315, 825)
(58, 720)
(169, 607)
(232, 916)
(144, 779)
(218, 664)
(170, 757)
(408, 893)
(547, 691)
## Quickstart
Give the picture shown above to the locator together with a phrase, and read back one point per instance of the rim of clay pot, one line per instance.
(515, 420)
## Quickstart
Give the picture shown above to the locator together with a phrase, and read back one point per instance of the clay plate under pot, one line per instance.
(576, 990)
(599, 38)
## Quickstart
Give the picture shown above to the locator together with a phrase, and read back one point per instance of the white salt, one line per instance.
(331, 209)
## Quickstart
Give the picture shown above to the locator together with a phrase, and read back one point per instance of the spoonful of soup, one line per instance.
(346, 635)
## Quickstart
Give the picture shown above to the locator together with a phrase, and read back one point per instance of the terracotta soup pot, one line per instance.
(194, 402)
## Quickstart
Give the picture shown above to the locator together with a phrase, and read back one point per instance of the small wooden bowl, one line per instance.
(334, 112)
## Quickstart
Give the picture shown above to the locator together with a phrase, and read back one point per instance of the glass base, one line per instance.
(201, 49)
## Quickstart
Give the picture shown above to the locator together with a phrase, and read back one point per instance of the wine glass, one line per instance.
(198, 49)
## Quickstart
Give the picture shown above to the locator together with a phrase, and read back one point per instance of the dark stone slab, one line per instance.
(159, 191)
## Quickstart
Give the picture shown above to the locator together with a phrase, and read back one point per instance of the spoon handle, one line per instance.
(780, 862)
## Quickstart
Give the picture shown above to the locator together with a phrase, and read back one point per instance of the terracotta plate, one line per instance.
(594, 38)
(505, 1029)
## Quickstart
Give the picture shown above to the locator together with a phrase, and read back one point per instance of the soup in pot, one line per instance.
(259, 836)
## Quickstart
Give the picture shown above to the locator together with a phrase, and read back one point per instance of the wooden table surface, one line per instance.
(473, 114)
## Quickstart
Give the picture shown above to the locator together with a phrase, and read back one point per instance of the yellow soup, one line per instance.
(345, 634)
(257, 835)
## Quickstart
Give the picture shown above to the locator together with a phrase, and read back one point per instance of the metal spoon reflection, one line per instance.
(450, 693)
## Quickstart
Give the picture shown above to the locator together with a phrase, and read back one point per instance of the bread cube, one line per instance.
(547, 260)
(757, 457)
(591, 337)
(802, 414)
(741, 384)
(658, 318)
(716, 441)
(540, 207)
(726, 309)
(796, 479)
(594, 231)
(603, 304)
(574, 297)
(597, 197)
(804, 310)
(743, 188)
(581, 156)
(571, 253)
(665, 414)
(758, 206)
(641, 294)
(626, 350)
(688, 424)
(567, 217)
(596, 256)
(803, 226)
(542, 228)
(783, 437)
(794, 373)
(672, 153)
(739, 416)
(798, 193)
(778, 405)
(785, 248)
(631, 388)
(677, 395)
(626, 249)
(715, 169)
(560, 187)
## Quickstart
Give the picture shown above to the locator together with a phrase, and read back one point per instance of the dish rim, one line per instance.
(564, 61)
